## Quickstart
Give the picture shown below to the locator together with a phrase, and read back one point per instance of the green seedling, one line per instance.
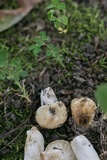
(24, 94)
(11, 69)
(57, 15)
(103, 62)
(51, 51)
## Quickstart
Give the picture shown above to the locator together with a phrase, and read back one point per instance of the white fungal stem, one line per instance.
(34, 145)
(48, 96)
(83, 149)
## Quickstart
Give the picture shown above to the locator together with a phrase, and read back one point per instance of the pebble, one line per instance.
(7, 115)
(13, 117)
(101, 76)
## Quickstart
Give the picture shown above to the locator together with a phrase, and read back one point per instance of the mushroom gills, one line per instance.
(59, 149)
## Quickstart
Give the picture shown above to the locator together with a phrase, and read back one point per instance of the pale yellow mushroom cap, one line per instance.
(58, 150)
(51, 116)
(83, 110)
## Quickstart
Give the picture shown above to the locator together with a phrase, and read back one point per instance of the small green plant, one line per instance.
(103, 62)
(24, 93)
(10, 69)
(86, 22)
(57, 15)
(52, 51)
(101, 96)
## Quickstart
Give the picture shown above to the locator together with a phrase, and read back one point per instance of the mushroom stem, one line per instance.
(34, 145)
(48, 96)
(83, 149)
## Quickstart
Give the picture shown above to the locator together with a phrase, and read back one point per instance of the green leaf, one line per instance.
(57, 24)
(59, 19)
(36, 51)
(3, 57)
(101, 96)
(40, 44)
(61, 6)
(51, 15)
(46, 38)
(51, 11)
(51, 46)
(16, 77)
(55, 2)
(55, 52)
(56, 49)
(23, 73)
(39, 41)
(16, 63)
(64, 20)
(43, 37)
(42, 34)
(2, 77)
(50, 6)
(32, 47)
(48, 52)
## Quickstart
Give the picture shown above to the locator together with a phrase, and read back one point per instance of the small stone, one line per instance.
(101, 76)
(13, 117)
(7, 115)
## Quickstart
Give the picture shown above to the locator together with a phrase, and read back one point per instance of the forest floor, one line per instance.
(84, 67)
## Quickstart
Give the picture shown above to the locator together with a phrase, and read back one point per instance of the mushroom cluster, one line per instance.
(53, 114)
(59, 149)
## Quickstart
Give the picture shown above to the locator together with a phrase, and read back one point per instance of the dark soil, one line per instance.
(82, 81)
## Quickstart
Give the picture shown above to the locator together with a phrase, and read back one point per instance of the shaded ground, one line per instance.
(85, 68)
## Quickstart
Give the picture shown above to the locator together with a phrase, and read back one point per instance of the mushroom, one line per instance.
(83, 149)
(51, 116)
(53, 113)
(34, 145)
(83, 110)
(59, 149)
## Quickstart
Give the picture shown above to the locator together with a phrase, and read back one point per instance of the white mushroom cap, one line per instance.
(83, 110)
(34, 145)
(59, 149)
(83, 149)
(51, 116)
(48, 96)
